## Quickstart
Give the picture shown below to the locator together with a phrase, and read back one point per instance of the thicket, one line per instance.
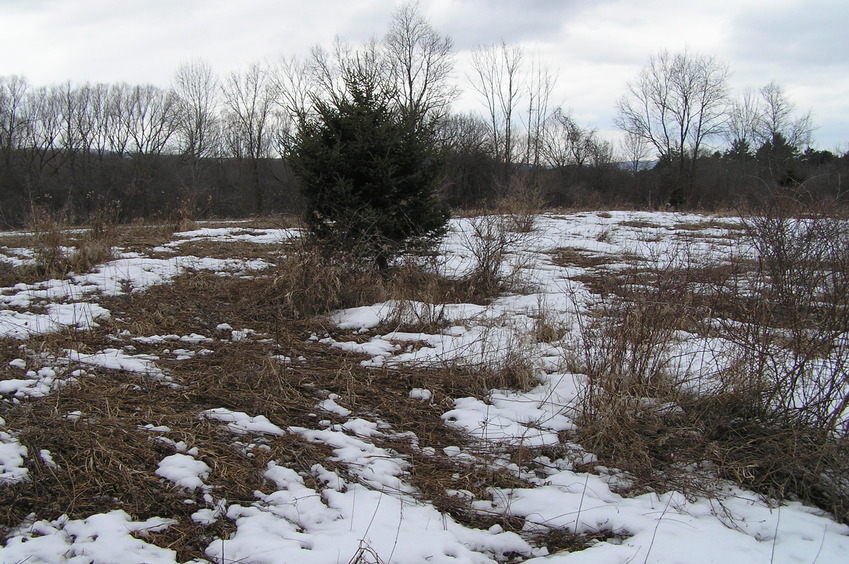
(764, 402)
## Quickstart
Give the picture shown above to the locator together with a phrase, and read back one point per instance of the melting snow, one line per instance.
(373, 512)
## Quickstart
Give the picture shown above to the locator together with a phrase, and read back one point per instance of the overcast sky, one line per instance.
(595, 46)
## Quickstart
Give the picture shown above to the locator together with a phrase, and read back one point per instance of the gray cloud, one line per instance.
(807, 36)
(596, 46)
(481, 22)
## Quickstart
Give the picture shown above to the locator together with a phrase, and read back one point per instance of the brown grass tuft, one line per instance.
(312, 280)
(60, 250)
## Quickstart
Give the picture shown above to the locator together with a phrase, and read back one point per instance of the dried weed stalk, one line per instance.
(769, 410)
(491, 240)
(59, 251)
(312, 280)
(520, 203)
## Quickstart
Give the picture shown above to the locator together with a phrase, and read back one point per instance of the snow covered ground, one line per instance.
(372, 514)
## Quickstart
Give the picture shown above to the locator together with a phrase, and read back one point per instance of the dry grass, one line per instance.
(570, 256)
(562, 540)
(311, 280)
(637, 414)
(9, 275)
(625, 348)
(490, 241)
(521, 202)
(782, 317)
(107, 460)
(639, 224)
(711, 223)
(228, 249)
(60, 250)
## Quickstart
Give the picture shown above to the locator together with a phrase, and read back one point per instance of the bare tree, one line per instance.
(151, 119)
(74, 133)
(496, 78)
(117, 120)
(250, 99)
(142, 121)
(295, 85)
(332, 71)
(572, 149)
(198, 93)
(82, 117)
(420, 64)
(676, 103)
(567, 143)
(12, 93)
(777, 117)
(602, 153)
(758, 117)
(744, 118)
(325, 70)
(466, 139)
(635, 151)
(43, 115)
(99, 109)
(540, 86)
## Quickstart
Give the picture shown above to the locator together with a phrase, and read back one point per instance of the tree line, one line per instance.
(214, 145)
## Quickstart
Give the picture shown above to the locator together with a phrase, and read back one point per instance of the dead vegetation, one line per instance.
(768, 412)
(97, 429)
(54, 258)
(642, 412)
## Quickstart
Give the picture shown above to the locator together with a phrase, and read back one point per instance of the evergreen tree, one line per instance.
(369, 173)
(740, 150)
(780, 160)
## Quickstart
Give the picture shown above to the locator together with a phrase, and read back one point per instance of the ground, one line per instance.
(160, 407)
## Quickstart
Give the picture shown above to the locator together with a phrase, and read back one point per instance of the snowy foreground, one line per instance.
(378, 518)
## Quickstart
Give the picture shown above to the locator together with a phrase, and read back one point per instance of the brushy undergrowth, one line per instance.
(60, 250)
(8, 274)
(312, 279)
(490, 242)
(765, 407)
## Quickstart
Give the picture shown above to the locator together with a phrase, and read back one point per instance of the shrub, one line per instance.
(8, 274)
(629, 412)
(489, 240)
(790, 369)
(521, 203)
(767, 402)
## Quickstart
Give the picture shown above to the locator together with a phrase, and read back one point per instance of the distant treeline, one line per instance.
(217, 147)
(77, 149)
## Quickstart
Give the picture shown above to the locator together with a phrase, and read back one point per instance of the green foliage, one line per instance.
(369, 173)
(780, 159)
(740, 150)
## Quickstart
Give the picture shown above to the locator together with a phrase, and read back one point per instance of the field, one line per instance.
(582, 387)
